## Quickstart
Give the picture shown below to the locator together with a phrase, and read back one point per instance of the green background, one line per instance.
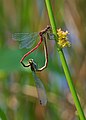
(18, 96)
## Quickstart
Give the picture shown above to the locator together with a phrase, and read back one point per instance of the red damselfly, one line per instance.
(46, 57)
(27, 39)
(39, 85)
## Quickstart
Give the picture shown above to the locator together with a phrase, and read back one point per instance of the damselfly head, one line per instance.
(33, 65)
(48, 27)
(30, 61)
(44, 31)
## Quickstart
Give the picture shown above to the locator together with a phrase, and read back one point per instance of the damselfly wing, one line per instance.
(27, 40)
(41, 90)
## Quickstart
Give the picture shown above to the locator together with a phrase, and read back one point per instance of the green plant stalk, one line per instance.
(64, 64)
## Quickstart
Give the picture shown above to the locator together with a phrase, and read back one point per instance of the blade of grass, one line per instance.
(64, 63)
(25, 12)
(2, 27)
(2, 115)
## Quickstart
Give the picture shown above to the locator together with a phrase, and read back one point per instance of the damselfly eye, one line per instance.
(30, 61)
(48, 27)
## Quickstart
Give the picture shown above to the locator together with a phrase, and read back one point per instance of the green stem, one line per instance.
(64, 64)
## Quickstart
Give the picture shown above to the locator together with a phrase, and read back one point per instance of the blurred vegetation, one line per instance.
(18, 95)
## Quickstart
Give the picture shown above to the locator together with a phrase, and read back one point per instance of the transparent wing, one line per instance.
(51, 36)
(41, 90)
(26, 39)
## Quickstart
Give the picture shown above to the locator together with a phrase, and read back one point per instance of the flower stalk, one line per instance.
(64, 63)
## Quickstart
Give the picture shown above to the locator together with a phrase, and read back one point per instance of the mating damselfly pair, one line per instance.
(26, 41)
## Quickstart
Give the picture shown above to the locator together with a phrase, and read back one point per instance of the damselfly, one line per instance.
(40, 88)
(44, 34)
(27, 39)
(46, 57)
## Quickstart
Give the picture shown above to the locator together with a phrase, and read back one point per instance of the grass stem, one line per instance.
(64, 63)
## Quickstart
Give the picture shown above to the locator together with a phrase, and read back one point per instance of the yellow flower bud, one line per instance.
(62, 38)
